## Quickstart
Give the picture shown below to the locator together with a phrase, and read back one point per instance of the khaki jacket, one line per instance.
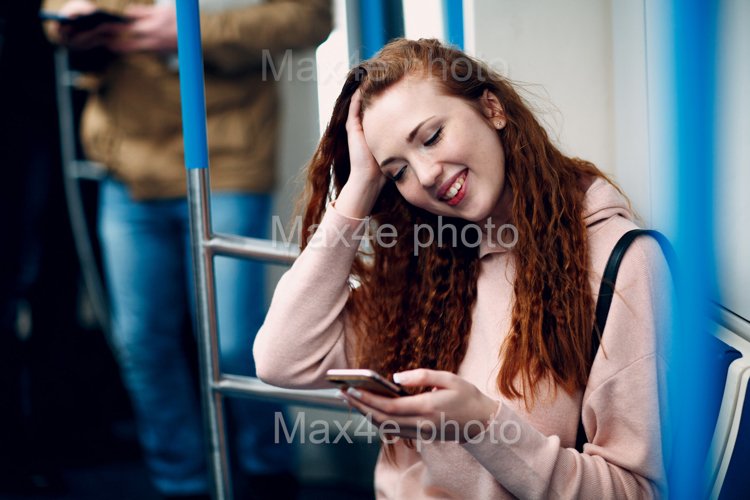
(132, 120)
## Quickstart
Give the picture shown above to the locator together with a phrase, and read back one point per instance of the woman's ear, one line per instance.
(492, 109)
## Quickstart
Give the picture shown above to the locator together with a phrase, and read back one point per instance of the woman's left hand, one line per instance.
(455, 410)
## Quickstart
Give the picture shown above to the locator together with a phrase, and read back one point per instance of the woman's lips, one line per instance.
(461, 193)
(449, 183)
(453, 191)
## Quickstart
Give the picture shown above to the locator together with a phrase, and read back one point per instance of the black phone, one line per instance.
(368, 380)
(84, 22)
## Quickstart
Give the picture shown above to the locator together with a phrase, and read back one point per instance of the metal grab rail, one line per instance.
(251, 248)
(73, 171)
(214, 384)
(251, 387)
(205, 245)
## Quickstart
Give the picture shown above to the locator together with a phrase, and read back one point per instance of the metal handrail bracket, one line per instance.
(251, 387)
(251, 248)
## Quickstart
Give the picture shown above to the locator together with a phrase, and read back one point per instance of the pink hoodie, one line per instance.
(525, 453)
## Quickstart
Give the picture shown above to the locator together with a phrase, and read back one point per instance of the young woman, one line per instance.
(479, 295)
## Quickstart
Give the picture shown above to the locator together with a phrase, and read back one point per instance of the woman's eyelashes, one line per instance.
(435, 137)
(399, 174)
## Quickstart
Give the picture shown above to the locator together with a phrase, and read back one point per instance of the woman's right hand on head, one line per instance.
(363, 164)
(365, 178)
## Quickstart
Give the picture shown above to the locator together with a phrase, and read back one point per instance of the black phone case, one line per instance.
(85, 22)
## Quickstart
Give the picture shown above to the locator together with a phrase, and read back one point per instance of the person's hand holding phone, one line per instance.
(70, 33)
(143, 28)
(452, 399)
(153, 28)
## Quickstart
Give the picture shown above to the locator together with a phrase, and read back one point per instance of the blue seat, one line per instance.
(729, 454)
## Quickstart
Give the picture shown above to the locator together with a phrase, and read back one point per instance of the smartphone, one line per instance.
(84, 22)
(365, 379)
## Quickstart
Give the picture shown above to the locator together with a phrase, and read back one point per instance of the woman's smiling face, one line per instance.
(443, 152)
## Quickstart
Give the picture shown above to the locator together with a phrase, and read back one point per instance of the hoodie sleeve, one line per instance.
(306, 329)
(621, 406)
(239, 39)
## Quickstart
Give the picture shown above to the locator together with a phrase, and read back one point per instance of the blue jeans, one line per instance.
(148, 268)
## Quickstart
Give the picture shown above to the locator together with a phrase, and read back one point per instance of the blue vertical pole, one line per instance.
(199, 202)
(190, 57)
(691, 378)
(379, 22)
(372, 27)
(453, 12)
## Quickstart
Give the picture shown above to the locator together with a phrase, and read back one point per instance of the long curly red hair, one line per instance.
(414, 309)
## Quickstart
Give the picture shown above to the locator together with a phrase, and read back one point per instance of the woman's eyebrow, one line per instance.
(409, 138)
(413, 133)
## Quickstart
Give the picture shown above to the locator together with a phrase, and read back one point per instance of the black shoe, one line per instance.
(283, 486)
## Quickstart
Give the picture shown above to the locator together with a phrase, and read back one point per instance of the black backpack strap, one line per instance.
(607, 291)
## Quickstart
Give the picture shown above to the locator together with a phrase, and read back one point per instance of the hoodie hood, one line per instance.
(602, 201)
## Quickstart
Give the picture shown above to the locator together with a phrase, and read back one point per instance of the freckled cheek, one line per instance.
(463, 150)
(490, 160)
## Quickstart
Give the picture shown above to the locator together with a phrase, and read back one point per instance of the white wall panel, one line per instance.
(561, 53)
(733, 156)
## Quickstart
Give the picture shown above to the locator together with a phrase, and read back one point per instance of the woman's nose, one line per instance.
(428, 172)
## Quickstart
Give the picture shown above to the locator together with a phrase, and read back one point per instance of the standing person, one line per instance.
(491, 335)
(132, 124)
